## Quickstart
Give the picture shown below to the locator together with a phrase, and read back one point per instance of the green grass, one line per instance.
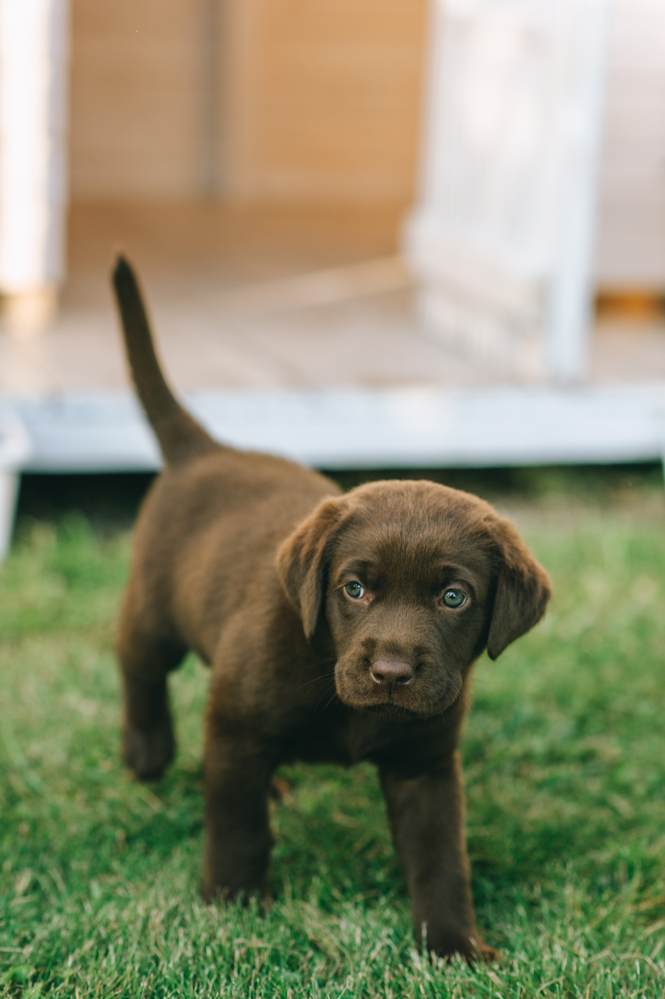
(565, 765)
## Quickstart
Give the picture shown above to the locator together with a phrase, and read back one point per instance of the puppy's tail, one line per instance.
(180, 436)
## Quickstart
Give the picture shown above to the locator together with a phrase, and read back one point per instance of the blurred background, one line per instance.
(373, 236)
(386, 237)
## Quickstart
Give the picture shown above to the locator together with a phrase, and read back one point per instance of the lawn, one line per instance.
(565, 769)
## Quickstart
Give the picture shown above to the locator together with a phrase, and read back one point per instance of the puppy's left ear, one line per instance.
(302, 561)
(522, 591)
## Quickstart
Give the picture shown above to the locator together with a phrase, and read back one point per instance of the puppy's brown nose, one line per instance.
(391, 672)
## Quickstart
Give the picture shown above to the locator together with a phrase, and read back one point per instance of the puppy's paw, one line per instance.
(281, 790)
(470, 948)
(148, 753)
(483, 952)
(213, 892)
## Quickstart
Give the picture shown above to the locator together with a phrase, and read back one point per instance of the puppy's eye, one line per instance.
(453, 597)
(354, 589)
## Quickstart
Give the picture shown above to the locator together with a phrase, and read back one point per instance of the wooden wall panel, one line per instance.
(136, 79)
(630, 242)
(322, 99)
(310, 99)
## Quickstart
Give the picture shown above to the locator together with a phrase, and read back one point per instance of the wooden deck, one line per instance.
(297, 330)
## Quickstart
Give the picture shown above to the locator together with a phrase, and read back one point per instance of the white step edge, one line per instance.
(356, 428)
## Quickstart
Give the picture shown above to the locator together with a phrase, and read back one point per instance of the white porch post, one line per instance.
(501, 238)
(570, 309)
(33, 115)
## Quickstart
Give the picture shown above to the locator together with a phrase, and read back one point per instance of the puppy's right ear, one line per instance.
(302, 561)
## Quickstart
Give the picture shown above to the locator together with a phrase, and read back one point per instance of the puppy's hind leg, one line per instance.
(145, 659)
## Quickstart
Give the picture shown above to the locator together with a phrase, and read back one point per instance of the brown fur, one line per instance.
(243, 558)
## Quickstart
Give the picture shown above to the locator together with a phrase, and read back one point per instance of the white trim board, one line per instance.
(409, 428)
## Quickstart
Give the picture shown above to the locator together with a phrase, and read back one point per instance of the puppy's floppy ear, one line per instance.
(522, 590)
(302, 560)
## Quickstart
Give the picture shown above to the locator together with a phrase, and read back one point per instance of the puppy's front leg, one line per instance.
(426, 815)
(237, 834)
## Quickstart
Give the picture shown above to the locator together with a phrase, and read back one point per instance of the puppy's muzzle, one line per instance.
(391, 673)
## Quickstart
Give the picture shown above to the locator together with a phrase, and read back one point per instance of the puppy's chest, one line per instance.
(320, 739)
(340, 735)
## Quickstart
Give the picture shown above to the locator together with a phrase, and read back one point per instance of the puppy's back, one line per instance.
(207, 533)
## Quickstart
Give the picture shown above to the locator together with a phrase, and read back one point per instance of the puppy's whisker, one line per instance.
(317, 679)
(329, 701)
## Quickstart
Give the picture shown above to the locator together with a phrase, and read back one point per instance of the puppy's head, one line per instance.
(414, 580)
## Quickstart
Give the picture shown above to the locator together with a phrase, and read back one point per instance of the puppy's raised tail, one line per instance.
(180, 436)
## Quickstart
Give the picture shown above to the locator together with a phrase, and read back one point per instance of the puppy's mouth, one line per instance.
(419, 699)
(390, 709)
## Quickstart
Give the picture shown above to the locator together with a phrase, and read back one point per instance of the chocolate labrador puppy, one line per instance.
(337, 627)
